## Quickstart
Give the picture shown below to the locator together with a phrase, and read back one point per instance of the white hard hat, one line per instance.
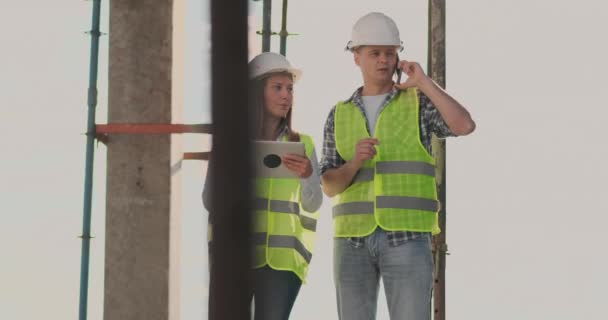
(270, 62)
(375, 29)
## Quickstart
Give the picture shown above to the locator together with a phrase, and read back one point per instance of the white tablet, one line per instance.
(268, 163)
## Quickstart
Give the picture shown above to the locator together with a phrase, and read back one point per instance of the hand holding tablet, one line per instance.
(271, 160)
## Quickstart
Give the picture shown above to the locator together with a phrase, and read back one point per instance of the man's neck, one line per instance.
(375, 88)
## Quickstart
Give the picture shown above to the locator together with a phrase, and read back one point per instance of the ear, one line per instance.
(356, 57)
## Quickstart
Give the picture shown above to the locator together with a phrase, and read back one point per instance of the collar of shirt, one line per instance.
(283, 131)
(356, 98)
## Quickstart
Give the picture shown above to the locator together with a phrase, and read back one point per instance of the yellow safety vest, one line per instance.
(283, 232)
(396, 189)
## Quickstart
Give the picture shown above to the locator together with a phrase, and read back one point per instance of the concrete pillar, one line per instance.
(142, 220)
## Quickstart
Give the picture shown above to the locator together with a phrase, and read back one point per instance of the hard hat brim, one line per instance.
(296, 73)
(351, 45)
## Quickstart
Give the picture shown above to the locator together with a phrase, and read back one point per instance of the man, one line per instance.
(377, 166)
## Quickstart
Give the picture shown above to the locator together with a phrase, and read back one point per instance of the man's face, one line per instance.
(377, 63)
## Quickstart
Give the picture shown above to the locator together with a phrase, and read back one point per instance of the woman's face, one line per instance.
(278, 95)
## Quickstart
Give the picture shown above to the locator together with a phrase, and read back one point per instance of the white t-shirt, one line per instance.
(372, 104)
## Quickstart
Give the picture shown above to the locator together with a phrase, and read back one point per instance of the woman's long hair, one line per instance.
(258, 105)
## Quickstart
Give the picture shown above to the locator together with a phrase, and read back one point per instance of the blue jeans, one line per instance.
(406, 271)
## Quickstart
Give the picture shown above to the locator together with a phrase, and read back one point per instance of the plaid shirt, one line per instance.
(430, 122)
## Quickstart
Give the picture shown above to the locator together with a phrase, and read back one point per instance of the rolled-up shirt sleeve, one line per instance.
(431, 119)
(331, 158)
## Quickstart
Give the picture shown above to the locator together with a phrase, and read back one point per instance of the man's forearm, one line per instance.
(455, 115)
(334, 181)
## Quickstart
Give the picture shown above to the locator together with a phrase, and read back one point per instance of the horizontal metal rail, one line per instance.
(152, 128)
(103, 130)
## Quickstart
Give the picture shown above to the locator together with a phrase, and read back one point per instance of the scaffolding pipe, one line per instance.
(88, 171)
(151, 128)
(436, 69)
(266, 25)
(284, 33)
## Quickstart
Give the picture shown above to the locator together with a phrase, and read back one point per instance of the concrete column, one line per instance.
(142, 205)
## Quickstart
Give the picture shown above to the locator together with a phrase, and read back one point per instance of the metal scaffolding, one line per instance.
(89, 157)
(436, 70)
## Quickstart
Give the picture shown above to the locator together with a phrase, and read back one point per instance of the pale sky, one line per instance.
(525, 191)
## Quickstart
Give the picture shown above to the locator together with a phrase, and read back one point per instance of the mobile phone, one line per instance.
(398, 71)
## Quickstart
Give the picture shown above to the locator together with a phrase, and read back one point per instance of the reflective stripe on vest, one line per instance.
(384, 202)
(388, 167)
(399, 202)
(405, 167)
(363, 175)
(281, 206)
(277, 206)
(347, 208)
(276, 241)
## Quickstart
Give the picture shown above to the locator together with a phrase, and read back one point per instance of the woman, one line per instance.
(285, 216)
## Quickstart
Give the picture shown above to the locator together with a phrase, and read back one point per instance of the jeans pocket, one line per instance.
(356, 242)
